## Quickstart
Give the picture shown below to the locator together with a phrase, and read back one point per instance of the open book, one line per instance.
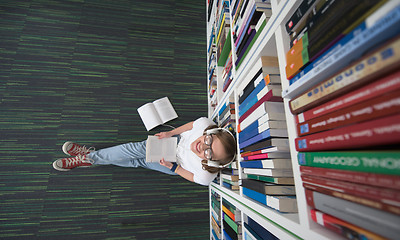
(156, 149)
(157, 113)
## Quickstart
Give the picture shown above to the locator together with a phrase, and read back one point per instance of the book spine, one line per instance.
(286, 204)
(380, 162)
(374, 108)
(254, 185)
(374, 203)
(267, 97)
(382, 131)
(264, 82)
(374, 89)
(245, 24)
(260, 230)
(380, 222)
(251, 164)
(251, 44)
(231, 222)
(384, 195)
(373, 179)
(335, 30)
(249, 87)
(385, 28)
(259, 197)
(371, 67)
(298, 15)
(341, 227)
(257, 138)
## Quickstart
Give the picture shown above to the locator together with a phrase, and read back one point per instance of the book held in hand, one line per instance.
(156, 149)
(157, 113)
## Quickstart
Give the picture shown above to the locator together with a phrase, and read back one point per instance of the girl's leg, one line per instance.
(120, 155)
(126, 155)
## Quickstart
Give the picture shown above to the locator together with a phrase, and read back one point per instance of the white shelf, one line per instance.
(272, 41)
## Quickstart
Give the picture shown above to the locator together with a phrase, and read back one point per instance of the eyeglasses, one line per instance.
(208, 152)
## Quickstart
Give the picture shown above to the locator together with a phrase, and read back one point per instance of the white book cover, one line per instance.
(269, 172)
(157, 113)
(156, 149)
(275, 111)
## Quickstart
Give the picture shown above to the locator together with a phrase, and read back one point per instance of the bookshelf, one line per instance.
(273, 41)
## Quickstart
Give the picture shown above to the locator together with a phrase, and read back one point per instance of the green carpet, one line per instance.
(77, 71)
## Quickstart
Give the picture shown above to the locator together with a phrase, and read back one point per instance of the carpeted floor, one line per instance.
(78, 70)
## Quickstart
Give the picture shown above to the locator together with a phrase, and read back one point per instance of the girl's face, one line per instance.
(218, 152)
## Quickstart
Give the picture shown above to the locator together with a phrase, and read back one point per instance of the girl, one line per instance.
(203, 150)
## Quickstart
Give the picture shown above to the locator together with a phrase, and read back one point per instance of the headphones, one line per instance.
(215, 164)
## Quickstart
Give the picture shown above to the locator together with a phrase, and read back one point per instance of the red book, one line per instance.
(382, 131)
(383, 195)
(380, 106)
(342, 227)
(382, 86)
(267, 155)
(374, 203)
(267, 97)
(379, 180)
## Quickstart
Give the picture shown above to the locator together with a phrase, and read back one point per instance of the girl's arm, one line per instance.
(180, 171)
(188, 126)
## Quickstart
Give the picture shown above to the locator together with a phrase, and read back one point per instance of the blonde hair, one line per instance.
(229, 144)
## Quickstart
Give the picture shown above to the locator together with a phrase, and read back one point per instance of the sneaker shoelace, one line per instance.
(79, 150)
(76, 161)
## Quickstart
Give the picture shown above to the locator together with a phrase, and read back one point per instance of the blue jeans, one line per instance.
(127, 155)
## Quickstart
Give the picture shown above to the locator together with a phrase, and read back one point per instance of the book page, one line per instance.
(156, 149)
(149, 116)
(165, 109)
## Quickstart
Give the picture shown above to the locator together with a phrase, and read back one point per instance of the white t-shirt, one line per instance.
(188, 159)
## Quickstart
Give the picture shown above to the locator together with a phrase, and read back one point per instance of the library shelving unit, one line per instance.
(272, 40)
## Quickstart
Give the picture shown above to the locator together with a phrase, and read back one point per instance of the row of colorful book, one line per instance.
(262, 138)
(215, 215)
(248, 20)
(232, 221)
(348, 116)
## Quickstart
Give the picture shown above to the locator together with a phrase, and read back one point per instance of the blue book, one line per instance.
(358, 42)
(260, 230)
(260, 85)
(283, 162)
(226, 236)
(259, 197)
(249, 132)
(215, 235)
(250, 234)
(261, 136)
(264, 135)
(262, 88)
(223, 107)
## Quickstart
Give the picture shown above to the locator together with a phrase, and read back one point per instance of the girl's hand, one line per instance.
(163, 135)
(166, 163)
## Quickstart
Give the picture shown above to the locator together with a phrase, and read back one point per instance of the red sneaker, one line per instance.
(74, 149)
(66, 164)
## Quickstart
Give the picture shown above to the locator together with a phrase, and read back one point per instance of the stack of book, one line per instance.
(226, 115)
(347, 111)
(262, 137)
(248, 20)
(232, 221)
(230, 178)
(215, 215)
(254, 231)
